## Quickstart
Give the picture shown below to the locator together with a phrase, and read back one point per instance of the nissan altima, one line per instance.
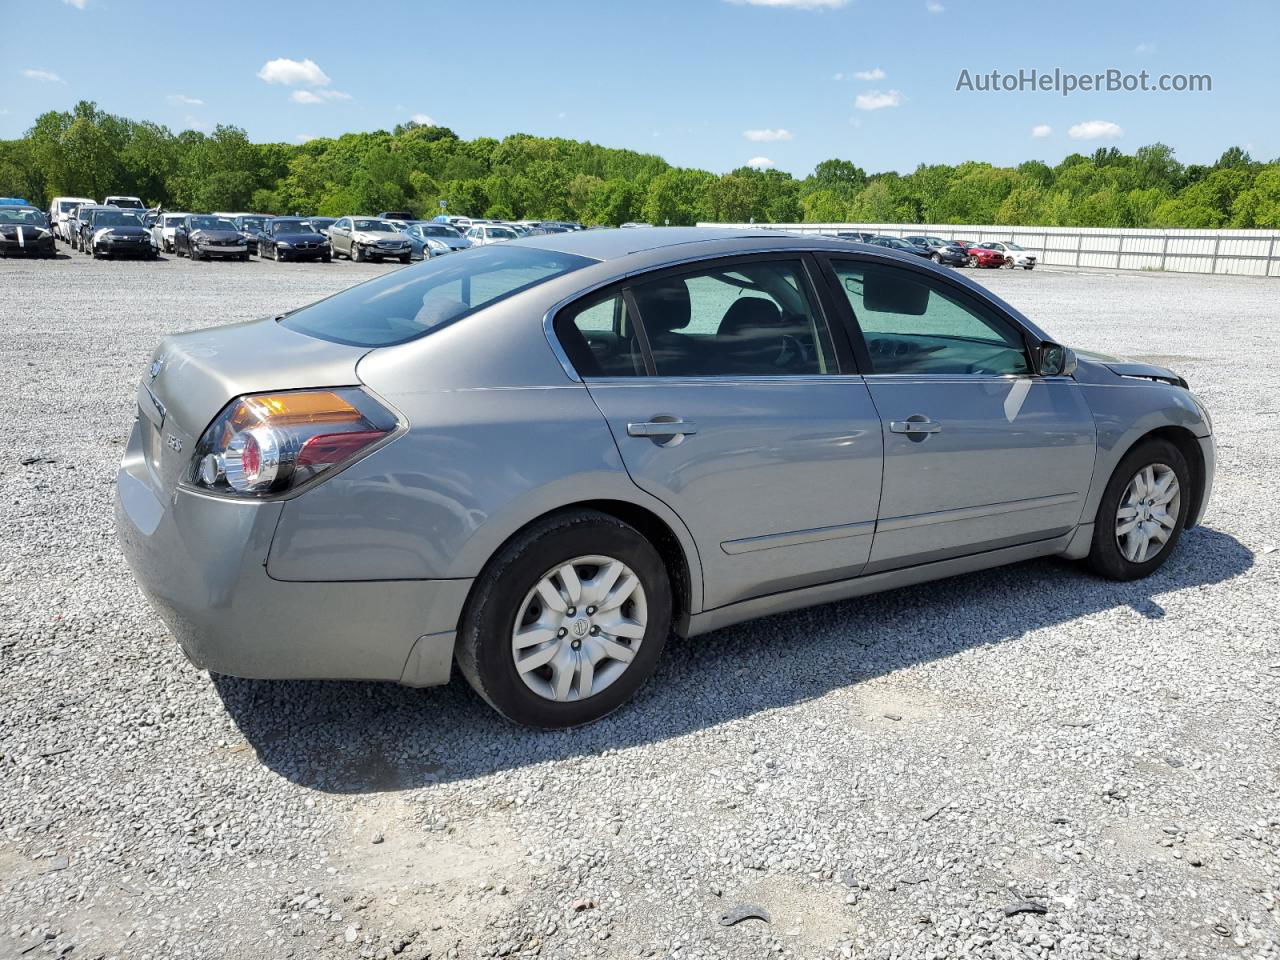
(537, 459)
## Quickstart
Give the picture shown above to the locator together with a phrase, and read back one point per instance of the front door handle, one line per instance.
(661, 428)
(915, 426)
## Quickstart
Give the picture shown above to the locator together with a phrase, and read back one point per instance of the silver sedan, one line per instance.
(539, 458)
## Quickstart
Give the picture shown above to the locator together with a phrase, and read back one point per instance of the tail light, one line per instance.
(267, 443)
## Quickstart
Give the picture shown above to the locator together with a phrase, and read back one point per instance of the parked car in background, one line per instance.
(462, 224)
(78, 222)
(633, 225)
(163, 229)
(422, 246)
(204, 237)
(861, 236)
(366, 238)
(443, 232)
(25, 232)
(980, 256)
(116, 232)
(250, 225)
(13, 202)
(322, 224)
(1015, 256)
(483, 234)
(293, 483)
(897, 243)
(942, 251)
(397, 215)
(61, 212)
(292, 238)
(128, 203)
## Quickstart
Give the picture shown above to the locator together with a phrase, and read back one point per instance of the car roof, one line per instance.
(611, 244)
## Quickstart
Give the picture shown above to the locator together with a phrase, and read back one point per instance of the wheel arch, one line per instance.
(682, 569)
(1188, 445)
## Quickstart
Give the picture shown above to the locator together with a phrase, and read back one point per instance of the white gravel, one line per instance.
(882, 777)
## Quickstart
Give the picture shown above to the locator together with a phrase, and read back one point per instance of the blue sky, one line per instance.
(706, 83)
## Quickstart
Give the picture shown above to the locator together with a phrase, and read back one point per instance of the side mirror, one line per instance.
(1055, 360)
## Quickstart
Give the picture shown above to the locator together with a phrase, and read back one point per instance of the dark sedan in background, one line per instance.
(25, 231)
(201, 237)
(942, 251)
(292, 238)
(250, 225)
(115, 232)
(902, 246)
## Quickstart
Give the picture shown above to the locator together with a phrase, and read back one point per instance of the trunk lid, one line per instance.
(192, 376)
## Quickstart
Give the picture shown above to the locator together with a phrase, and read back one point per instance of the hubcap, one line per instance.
(579, 628)
(1148, 513)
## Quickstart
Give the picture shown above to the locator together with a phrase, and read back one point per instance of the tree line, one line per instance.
(88, 152)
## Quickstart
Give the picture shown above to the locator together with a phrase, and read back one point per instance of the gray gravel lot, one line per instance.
(887, 777)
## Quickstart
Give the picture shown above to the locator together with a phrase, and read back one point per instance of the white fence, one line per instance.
(1254, 253)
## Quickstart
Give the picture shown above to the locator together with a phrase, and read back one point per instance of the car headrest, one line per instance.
(664, 304)
(747, 313)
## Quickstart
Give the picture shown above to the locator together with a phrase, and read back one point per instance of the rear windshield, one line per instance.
(406, 304)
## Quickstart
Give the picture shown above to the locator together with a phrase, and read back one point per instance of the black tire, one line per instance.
(357, 255)
(326, 259)
(1105, 557)
(484, 651)
(937, 258)
(404, 259)
(244, 257)
(973, 262)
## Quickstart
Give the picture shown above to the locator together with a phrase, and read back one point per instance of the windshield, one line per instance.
(172, 221)
(504, 233)
(1012, 246)
(252, 224)
(66, 206)
(291, 226)
(438, 230)
(211, 223)
(321, 222)
(19, 215)
(127, 202)
(115, 218)
(401, 306)
(372, 226)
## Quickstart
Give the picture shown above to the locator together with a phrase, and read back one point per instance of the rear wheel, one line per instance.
(1142, 513)
(357, 255)
(567, 622)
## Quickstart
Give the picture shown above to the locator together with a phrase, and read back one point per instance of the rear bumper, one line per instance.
(201, 561)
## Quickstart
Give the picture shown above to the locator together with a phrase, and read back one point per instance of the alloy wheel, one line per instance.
(1148, 512)
(579, 628)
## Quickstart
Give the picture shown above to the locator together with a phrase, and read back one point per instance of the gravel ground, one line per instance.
(1022, 763)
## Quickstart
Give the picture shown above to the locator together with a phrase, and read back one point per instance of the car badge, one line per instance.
(156, 366)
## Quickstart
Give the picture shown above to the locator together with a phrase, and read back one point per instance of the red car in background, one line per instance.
(982, 256)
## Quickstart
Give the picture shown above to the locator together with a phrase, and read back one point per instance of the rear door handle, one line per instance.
(915, 425)
(661, 428)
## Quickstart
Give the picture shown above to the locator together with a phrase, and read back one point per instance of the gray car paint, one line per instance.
(366, 574)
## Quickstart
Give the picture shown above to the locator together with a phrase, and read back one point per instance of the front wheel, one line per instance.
(1142, 513)
(404, 259)
(973, 262)
(937, 258)
(567, 622)
(357, 254)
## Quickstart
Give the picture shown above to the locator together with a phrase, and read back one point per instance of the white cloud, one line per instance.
(1096, 130)
(318, 96)
(293, 73)
(78, 4)
(767, 136)
(561, 115)
(838, 76)
(875, 73)
(933, 6)
(182, 100)
(878, 99)
(794, 4)
(304, 137)
(195, 123)
(760, 163)
(1145, 48)
(423, 119)
(1041, 130)
(44, 76)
